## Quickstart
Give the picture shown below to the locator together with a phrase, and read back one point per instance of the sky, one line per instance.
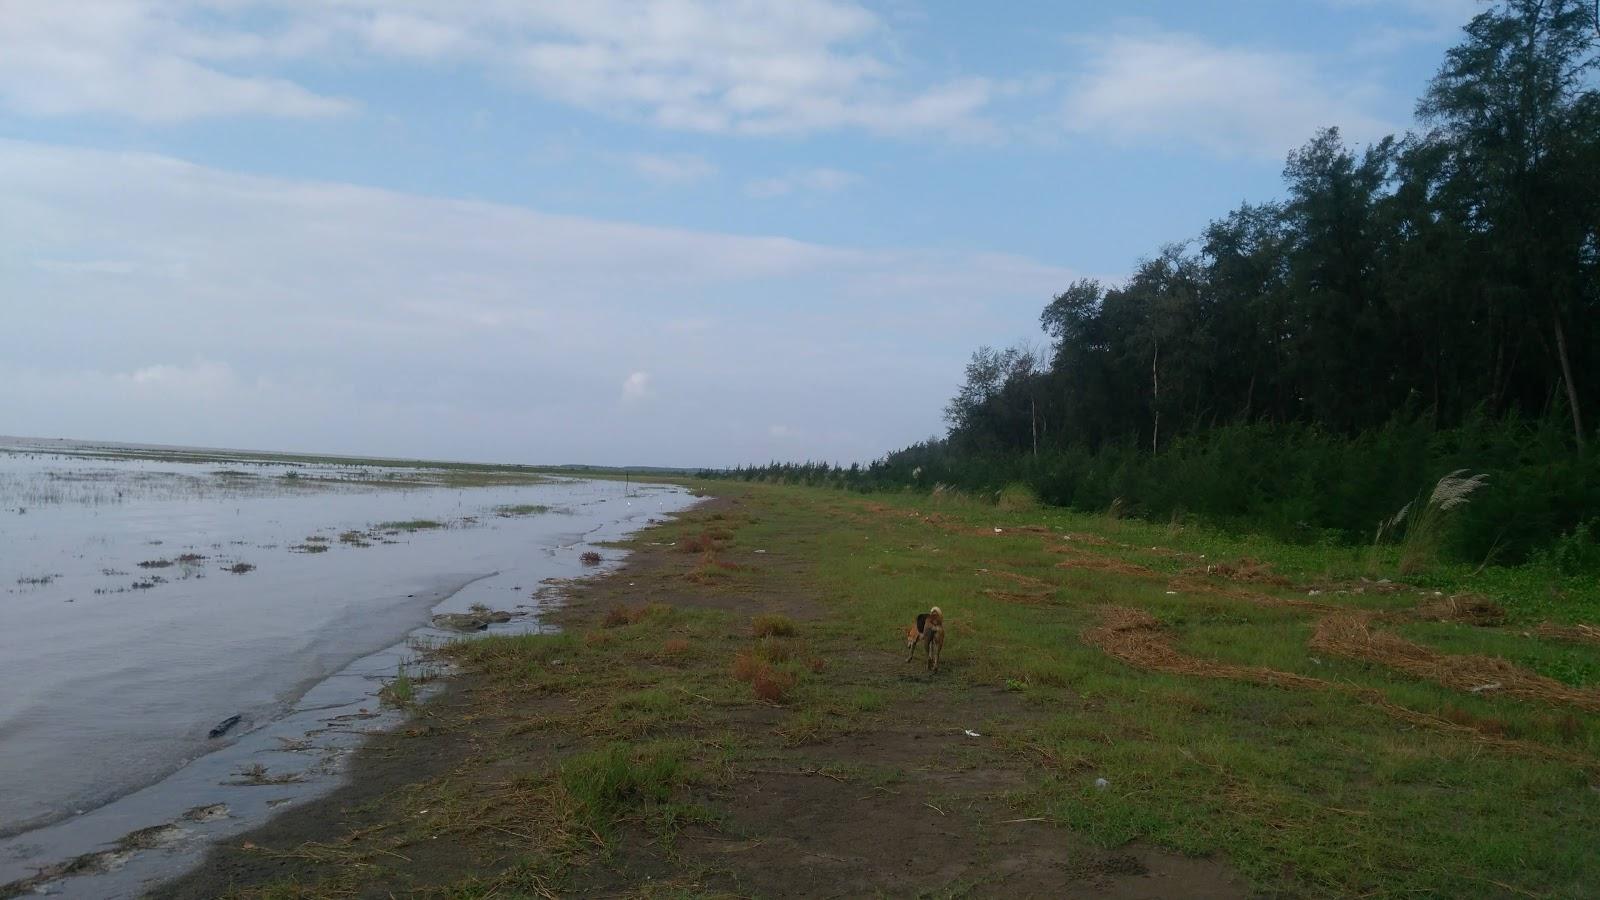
(623, 232)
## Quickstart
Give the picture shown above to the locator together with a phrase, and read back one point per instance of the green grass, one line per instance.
(409, 525)
(1303, 792)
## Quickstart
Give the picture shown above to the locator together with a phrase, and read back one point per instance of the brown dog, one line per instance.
(930, 628)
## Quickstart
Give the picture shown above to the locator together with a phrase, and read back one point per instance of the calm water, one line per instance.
(112, 673)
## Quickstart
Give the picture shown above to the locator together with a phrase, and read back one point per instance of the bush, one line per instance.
(1578, 551)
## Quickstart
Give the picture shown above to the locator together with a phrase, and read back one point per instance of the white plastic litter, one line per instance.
(1101, 784)
(971, 733)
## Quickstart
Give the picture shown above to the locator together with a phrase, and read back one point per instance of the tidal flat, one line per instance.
(195, 638)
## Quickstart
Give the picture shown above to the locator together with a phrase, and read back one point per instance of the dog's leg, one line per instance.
(938, 647)
(914, 649)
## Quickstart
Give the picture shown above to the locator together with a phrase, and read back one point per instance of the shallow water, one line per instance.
(113, 673)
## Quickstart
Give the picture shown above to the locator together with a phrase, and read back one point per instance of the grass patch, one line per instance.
(520, 509)
(410, 525)
(772, 625)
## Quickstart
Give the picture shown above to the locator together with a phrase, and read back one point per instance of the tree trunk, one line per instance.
(1566, 376)
(1033, 416)
(1155, 399)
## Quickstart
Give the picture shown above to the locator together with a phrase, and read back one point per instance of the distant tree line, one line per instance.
(1426, 301)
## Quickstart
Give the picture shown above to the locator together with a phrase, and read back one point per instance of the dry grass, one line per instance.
(772, 685)
(700, 543)
(1019, 578)
(618, 616)
(1469, 609)
(1579, 633)
(1019, 598)
(1093, 563)
(1134, 637)
(590, 558)
(1196, 586)
(745, 665)
(1250, 571)
(1350, 634)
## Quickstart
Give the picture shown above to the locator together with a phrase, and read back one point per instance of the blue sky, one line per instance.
(623, 231)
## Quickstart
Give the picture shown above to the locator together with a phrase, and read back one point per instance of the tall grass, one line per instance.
(1423, 535)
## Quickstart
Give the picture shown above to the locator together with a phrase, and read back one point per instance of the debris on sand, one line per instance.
(257, 774)
(476, 620)
(223, 727)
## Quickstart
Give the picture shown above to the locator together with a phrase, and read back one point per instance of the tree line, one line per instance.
(1406, 305)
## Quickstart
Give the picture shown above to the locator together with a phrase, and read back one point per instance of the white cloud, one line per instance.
(683, 168)
(132, 58)
(1236, 101)
(151, 299)
(636, 386)
(819, 181)
(1413, 22)
(723, 66)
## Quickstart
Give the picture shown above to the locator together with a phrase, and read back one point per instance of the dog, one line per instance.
(929, 629)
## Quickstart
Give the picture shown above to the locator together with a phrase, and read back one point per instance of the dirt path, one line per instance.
(865, 783)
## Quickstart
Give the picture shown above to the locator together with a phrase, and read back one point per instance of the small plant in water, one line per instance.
(401, 691)
(590, 558)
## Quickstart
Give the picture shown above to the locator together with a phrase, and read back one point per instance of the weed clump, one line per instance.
(772, 685)
(745, 665)
(700, 543)
(772, 625)
(590, 558)
(618, 616)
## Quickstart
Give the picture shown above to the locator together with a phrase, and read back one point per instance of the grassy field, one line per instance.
(1153, 711)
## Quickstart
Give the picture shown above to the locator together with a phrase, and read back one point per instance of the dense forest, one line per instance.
(1422, 304)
